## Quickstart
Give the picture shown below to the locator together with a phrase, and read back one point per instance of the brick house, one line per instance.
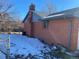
(58, 28)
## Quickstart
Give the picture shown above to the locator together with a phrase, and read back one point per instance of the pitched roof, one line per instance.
(36, 17)
(26, 17)
(67, 13)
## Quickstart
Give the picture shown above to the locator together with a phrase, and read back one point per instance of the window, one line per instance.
(46, 24)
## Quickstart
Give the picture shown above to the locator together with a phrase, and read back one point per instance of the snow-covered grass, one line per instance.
(26, 46)
(22, 45)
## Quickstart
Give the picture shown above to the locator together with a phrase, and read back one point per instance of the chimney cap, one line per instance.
(32, 6)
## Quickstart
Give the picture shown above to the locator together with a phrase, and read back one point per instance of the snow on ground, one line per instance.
(25, 45)
(22, 45)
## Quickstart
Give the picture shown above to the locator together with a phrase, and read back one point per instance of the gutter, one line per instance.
(51, 16)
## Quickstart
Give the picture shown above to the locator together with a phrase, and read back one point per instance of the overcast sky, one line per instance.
(22, 6)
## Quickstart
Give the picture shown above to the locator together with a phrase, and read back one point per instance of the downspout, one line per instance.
(69, 33)
(31, 23)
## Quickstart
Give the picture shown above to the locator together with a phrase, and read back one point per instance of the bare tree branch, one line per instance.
(5, 6)
(7, 20)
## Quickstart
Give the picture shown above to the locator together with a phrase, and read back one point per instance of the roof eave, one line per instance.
(65, 17)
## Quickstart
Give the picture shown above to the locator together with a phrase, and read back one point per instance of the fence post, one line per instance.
(8, 47)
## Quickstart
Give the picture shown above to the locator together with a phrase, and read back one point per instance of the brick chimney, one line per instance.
(32, 7)
(31, 10)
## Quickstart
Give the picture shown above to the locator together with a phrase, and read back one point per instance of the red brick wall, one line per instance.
(27, 28)
(59, 31)
(74, 36)
(56, 32)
